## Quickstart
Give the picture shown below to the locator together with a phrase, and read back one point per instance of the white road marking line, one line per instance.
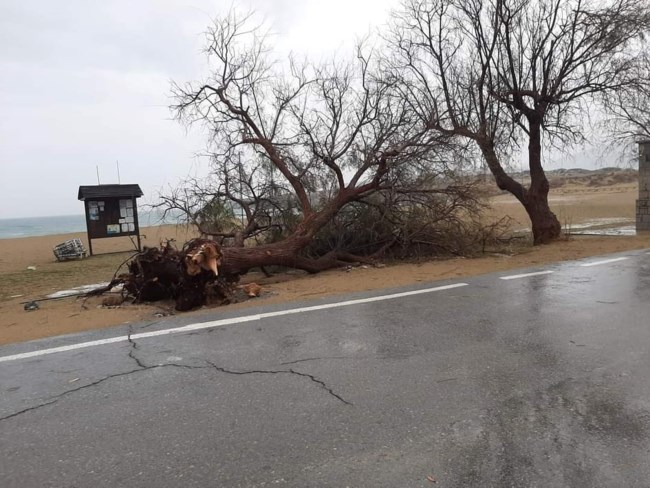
(222, 322)
(525, 275)
(69, 347)
(604, 261)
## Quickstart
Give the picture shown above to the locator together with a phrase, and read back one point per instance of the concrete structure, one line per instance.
(643, 203)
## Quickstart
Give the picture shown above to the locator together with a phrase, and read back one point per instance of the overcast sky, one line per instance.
(85, 83)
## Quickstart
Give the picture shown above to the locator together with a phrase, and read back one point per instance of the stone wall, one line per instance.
(643, 203)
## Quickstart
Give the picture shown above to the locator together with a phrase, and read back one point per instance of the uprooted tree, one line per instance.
(497, 71)
(293, 144)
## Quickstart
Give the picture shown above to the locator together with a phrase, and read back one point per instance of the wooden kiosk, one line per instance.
(111, 211)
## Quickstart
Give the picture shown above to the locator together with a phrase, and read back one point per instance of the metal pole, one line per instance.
(90, 242)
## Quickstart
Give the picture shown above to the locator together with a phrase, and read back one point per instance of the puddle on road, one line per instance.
(617, 226)
(628, 230)
(605, 227)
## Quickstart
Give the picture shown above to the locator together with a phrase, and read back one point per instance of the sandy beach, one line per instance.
(574, 206)
(16, 254)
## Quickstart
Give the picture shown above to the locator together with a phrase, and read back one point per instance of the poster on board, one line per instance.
(93, 211)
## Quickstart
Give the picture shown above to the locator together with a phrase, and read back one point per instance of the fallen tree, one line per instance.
(290, 148)
(398, 226)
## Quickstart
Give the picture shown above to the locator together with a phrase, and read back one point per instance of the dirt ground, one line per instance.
(574, 205)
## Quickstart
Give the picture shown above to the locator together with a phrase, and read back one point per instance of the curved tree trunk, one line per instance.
(237, 260)
(545, 225)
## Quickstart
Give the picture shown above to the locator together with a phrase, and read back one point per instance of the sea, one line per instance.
(63, 224)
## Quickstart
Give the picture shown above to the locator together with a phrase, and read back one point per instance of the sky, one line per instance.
(85, 84)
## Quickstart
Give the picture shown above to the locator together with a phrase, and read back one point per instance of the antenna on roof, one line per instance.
(97, 168)
(117, 163)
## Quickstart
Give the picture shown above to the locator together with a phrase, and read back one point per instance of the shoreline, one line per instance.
(42, 226)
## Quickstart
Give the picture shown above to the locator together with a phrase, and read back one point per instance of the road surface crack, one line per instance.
(56, 398)
(321, 383)
(133, 348)
(315, 359)
(142, 367)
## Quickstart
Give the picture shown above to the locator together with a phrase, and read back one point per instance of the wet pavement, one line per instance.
(539, 380)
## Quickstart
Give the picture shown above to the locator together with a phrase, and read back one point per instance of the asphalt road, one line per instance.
(540, 380)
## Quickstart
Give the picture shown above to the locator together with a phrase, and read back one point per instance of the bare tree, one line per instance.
(235, 202)
(297, 138)
(628, 112)
(497, 71)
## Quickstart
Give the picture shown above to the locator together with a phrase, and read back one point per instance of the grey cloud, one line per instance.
(78, 34)
(86, 82)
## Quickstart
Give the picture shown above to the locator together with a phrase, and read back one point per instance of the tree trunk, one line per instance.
(546, 226)
(238, 260)
(503, 180)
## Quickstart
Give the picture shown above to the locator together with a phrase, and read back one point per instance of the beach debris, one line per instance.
(16, 296)
(31, 306)
(31, 268)
(70, 249)
(83, 290)
(252, 289)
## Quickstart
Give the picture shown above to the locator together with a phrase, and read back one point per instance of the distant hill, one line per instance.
(593, 178)
(559, 178)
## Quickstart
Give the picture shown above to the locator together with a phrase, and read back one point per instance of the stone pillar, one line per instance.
(643, 203)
